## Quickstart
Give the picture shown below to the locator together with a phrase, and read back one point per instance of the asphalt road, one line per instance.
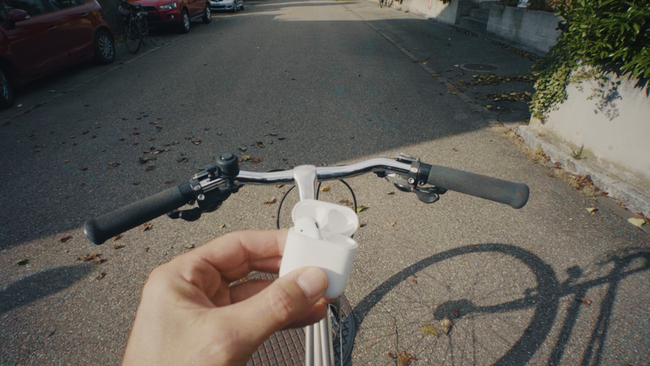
(318, 83)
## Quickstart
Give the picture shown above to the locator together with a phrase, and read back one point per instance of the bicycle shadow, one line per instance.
(544, 299)
(39, 285)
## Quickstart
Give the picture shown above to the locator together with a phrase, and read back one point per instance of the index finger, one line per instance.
(238, 253)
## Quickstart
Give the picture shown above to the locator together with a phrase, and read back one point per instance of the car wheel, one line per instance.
(104, 47)
(185, 21)
(207, 14)
(7, 96)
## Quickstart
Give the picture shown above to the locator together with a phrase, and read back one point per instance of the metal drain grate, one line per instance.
(287, 347)
(479, 67)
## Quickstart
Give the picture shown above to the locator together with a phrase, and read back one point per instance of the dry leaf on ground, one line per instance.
(361, 208)
(430, 329)
(168, 181)
(636, 221)
(362, 224)
(91, 257)
(65, 238)
(221, 226)
(260, 144)
(390, 223)
(270, 201)
(584, 301)
(83, 168)
(146, 226)
(101, 275)
(592, 210)
(445, 325)
(405, 359)
(117, 246)
(136, 183)
(149, 168)
(346, 202)
(112, 165)
(146, 249)
(282, 138)
(188, 246)
(279, 185)
(412, 280)
(325, 188)
(457, 313)
(391, 193)
(196, 141)
(21, 262)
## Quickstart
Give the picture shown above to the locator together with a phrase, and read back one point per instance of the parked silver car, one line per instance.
(228, 5)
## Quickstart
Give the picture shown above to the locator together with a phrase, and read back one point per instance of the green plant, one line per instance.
(599, 33)
(577, 154)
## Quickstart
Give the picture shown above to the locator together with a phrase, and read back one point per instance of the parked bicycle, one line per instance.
(209, 188)
(136, 26)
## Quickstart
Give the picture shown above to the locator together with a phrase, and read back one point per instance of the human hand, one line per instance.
(189, 314)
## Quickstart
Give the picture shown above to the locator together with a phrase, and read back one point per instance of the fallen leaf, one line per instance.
(117, 237)
(159, 118)
(279, 185)
(66, 161)
(91, 257)
(101, 275)
(592, 210)
(346, 202)
(206, 128)
(325, 188)
(412, 280)
(390, 223)
(221, 226)
(430, 329)
(146, 249)
(636, 221)
(196, 141)
(143, 160)
(271, 134)
(117, 246)
(188, 246)
(149, 168)
(243, 148)
(270, 201)
(260, 144)
(362, 224)
(182, 159)
(168, 181)
(21, 262)
(83, 168)
(454, 149)
(112, 165)
(135, 183)
(584, 301)
(391, 355)
(282, 138)
(445, 325)
(257, 160)
(174, 142)
(146, 226)
(65, 238)
(361, 208)
(456, 313)
(405, 359)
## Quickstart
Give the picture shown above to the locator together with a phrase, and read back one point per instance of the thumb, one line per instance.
(281, 303)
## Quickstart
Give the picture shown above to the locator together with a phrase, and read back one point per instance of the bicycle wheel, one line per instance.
(144, 26)
(133, 37)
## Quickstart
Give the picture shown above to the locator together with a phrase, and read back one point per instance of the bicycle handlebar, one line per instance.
(497, 190)
(207, 184)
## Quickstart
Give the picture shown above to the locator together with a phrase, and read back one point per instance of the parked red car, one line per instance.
(175, 12)
(38, 37)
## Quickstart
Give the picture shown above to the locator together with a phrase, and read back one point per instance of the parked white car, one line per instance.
(228, 5)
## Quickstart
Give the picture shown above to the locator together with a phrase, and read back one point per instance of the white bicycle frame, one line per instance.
(319, 349)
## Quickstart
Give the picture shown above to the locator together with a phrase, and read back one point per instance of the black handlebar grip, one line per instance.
(102, 228)
(509, 193)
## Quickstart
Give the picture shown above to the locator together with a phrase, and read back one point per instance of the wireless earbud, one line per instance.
(308, 226)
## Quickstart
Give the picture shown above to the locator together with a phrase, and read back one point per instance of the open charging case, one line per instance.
(333, 252)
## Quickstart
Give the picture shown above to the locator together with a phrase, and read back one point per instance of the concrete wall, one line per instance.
(612, 120)
(446, 13)
(529, 28)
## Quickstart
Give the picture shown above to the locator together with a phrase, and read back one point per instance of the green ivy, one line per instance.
(597, 33)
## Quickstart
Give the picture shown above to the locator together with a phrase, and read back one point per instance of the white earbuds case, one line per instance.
(321, 238)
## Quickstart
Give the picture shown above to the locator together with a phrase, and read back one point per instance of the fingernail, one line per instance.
(313, 282)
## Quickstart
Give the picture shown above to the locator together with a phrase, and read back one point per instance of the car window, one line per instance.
(32, 7)
(64, 4)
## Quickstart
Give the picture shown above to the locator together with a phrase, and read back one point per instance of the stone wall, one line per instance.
(531, 29)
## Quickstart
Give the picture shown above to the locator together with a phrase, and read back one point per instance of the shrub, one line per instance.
(600, 33)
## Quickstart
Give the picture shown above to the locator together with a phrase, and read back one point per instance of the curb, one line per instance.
(635, 201)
